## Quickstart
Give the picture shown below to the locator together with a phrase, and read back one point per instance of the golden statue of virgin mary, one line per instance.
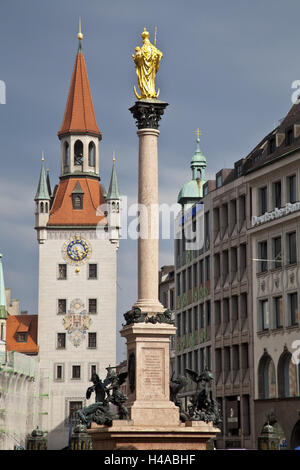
(146, 61)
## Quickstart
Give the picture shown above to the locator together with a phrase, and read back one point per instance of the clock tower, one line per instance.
(78, 234)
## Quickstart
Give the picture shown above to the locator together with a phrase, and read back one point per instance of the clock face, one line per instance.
(77, 251)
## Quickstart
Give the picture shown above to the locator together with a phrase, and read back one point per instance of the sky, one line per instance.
(227, 69)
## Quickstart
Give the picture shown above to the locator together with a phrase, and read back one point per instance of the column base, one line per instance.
(149, 306)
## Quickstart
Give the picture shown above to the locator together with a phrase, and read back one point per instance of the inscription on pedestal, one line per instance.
(153, 372)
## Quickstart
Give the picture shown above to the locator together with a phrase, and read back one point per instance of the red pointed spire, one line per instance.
(79, 115)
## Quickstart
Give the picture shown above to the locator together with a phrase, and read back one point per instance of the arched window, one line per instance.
(78, 153)
(287, 376)
(266, 377)
(66, 155)
(42, 207)
(46, 207)
(92, 150)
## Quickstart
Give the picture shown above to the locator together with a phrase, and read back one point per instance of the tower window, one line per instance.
(78, 201)
(91, 154)
(22, 337)
(67, 155)
(62, 306)
(42, 207)
(92, 340)
(61, 340)
(62, 272)
(92, 271)
(78, 153)
(92, 305)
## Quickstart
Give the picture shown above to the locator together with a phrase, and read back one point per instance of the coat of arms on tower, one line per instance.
(76, 322)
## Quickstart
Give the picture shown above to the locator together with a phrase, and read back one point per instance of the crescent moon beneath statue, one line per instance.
(136, 93)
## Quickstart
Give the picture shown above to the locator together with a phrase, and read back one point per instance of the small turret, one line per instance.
(42, 206)
(192, 191)
(113, 207)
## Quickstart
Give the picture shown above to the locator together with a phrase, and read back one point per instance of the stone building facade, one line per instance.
(248, 265)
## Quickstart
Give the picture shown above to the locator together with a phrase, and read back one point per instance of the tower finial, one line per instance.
(198, 133)
(43, 156)
(79, 35)
(114, 156)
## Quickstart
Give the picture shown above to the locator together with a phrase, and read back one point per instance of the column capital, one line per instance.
(148, 113)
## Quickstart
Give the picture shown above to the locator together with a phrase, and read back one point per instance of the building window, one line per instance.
(184, 323)
(263, 256)
(196, 318)
(277, 194)
(293, 309)
(92, 305)
(219, 181)
(201, 272)
(76, 371)
(178, 284)
(277, 252)
(278, 312)
(292, 248)
(264, 312)
(263, 200)
(172, 299)
(201, 306)
(61, 340)
(183, 281)
(74, 406)
(207, 268)
(289, 136)
(62, 306)
(291, 189)
(59, 372)
(189, 278)
(21, 337)
(62, 272)
(92, 271)
(272, 145)
(92, 340)
(178, 333)
(208, 313)
(93, 369)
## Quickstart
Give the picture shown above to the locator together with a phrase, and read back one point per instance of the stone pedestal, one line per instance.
(148, 359)
(124, 435)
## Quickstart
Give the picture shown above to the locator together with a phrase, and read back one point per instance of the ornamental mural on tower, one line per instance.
(76, 322)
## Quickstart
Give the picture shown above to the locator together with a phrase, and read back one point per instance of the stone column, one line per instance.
(147, 114)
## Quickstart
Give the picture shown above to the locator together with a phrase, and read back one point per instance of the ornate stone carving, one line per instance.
(148, 113)
(136, 316)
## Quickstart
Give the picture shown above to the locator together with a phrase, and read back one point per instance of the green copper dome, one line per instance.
(193, 189)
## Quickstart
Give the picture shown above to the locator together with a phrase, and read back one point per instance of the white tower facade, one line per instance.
(77, 270)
